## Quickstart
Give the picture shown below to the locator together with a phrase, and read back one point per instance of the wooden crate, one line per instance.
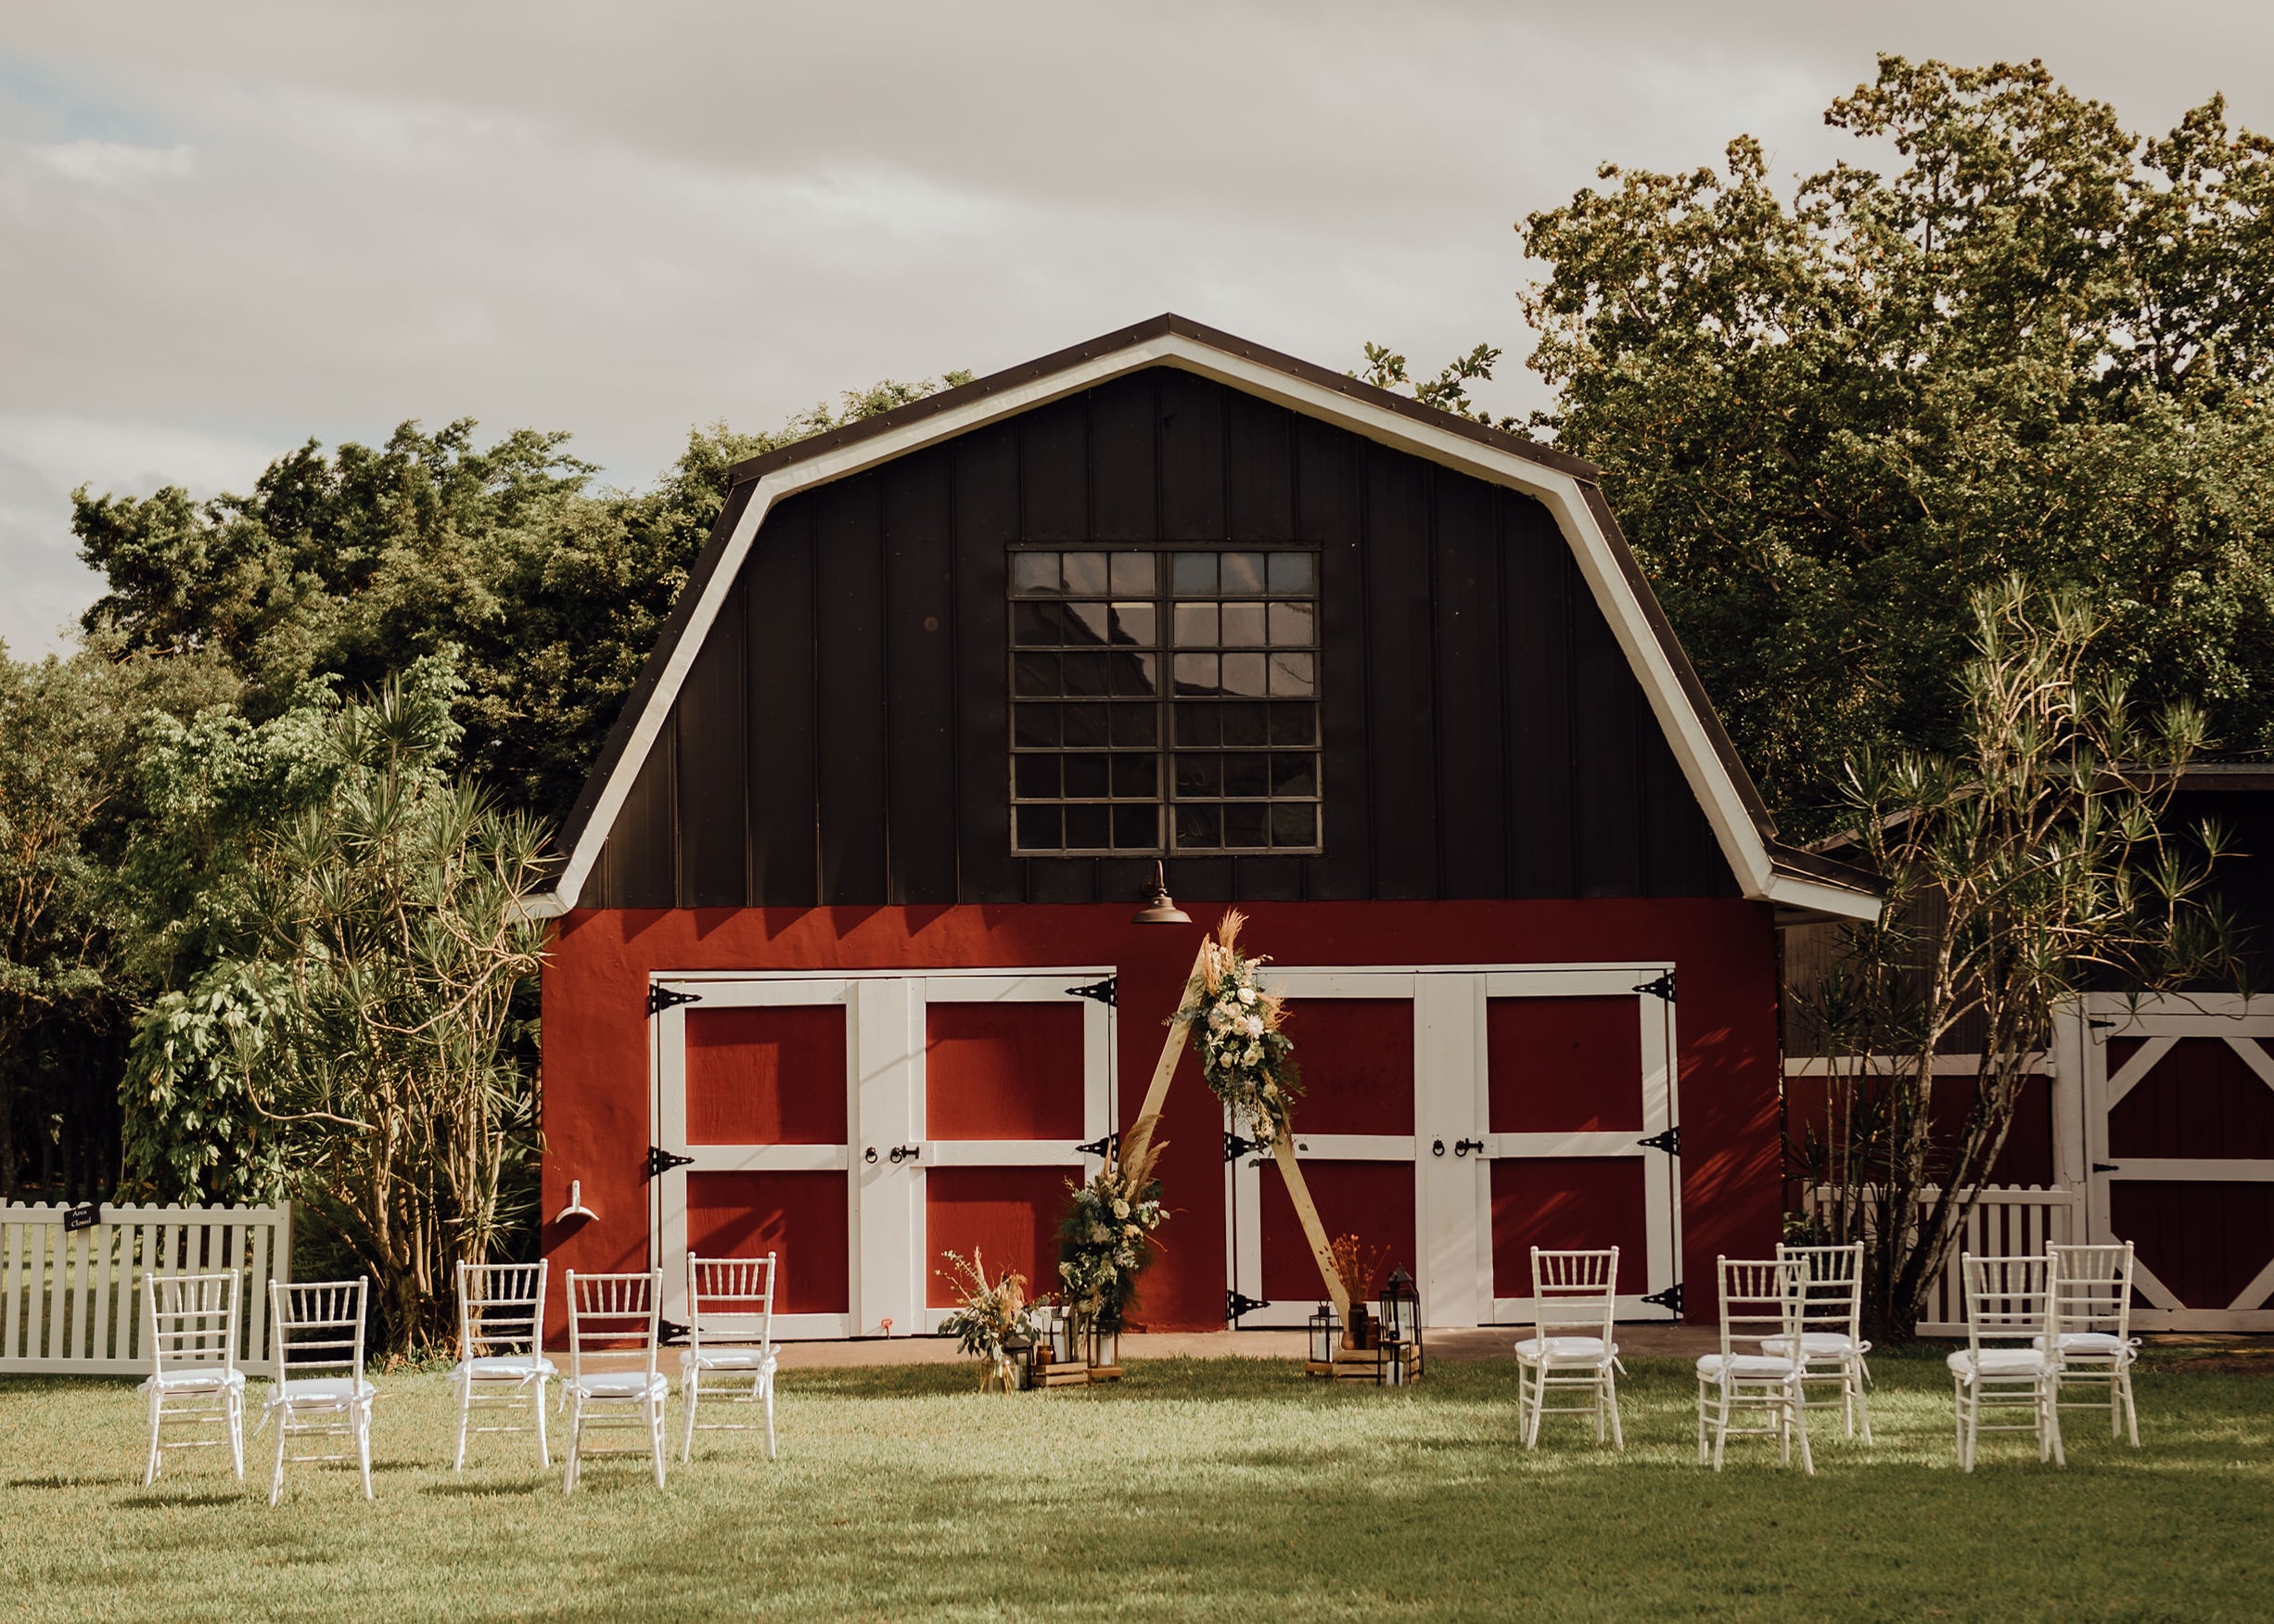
(1357, 1364)
(1105, 1373)
(1062, 1375)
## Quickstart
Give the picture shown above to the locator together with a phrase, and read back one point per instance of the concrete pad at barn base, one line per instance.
(1648, 1341)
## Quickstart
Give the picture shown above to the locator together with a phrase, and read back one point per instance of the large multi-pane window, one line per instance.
(1164, 701)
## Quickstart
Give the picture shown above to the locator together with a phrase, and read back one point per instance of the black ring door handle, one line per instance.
(870, 1156)
(1438, 1148)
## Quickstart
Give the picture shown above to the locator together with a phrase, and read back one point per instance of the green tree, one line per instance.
(2029, 342)
(355, 1048)
(2039, 855)
(354, 565)
(67, 798)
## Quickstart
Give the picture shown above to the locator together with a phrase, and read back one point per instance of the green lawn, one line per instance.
(1219, 1488)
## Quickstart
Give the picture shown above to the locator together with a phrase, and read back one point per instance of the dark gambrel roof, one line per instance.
(1798, 882)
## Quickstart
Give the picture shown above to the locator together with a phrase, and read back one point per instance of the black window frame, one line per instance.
(1254, 751)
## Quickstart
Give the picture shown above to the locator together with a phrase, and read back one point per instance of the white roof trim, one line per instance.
(1563, 495)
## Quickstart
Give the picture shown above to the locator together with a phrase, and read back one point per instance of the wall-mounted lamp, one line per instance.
(576, 1207)
(1160, 907)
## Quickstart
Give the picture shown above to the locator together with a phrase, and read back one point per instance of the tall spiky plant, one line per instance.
(2037, 858)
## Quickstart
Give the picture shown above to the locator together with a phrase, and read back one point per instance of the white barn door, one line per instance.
(857, 1126)
(1457, 1117)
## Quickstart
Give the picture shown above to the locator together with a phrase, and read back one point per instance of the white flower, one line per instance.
(1098, 1235)
(1254, 1057)
(1247, 996)
(1254, 1026)
(1129, 1230)
(1121, 1210)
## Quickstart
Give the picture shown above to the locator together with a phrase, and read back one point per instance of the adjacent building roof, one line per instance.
(1801, 884)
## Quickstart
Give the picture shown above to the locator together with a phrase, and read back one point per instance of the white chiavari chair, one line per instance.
(730, 1350)
(1831, 1344)
(2007, 1364)
(612, 1382)
(319, 1391)
(1575, 1295)
(1760, 1301)
(502, 1368)
(2093, 1315)
(193, 1381)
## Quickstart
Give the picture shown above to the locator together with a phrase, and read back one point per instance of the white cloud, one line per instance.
(250, 221)
(113, 164)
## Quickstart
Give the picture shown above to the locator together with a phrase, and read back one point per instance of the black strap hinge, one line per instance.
(1670, 1299)
(670, 1333)
(1659, 986)
(661, 998)
(1237, 1303)
(1103, 992)
(1104, 1145)
(1236, 1147)
(1670, 1141)
(660, 1161)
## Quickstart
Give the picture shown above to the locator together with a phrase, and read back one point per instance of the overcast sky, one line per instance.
(228, 226)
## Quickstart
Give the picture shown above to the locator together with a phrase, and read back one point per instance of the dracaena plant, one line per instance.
(2036, 861)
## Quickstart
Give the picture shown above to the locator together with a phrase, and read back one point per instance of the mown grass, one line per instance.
(1220, 1489)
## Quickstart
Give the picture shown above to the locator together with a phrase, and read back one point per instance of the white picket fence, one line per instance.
(2009, 1221)
(73, 1298)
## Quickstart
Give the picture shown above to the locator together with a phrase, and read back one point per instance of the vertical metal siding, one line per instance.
(780, 576)
(843, 736)
(919, 655)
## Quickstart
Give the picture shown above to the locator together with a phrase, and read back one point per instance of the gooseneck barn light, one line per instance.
(1160, 907)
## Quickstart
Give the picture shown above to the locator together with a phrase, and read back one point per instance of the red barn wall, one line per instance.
(597, 1044)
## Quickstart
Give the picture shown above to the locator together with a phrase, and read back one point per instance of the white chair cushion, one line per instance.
(502, 1367)
(2093, 1344)
(192, 1381)
(1813, 1345)
(727, 1358)
(619, 1384)
(1713, 1367)
(1998, 1361)
(336, 1389)
(1567, 1350)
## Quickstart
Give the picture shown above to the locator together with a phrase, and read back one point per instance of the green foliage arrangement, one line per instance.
(1105, 1239)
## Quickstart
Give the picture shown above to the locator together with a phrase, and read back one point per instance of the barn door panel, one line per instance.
(1355, 1042)
(756, 1090)
(1577, 1132)
(2179, 1125)
(1018, 1073)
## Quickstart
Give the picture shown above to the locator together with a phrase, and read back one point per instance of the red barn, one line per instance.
(845, 965)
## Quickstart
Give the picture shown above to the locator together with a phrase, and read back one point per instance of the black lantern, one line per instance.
(1104, 1346)
(1399, 1314)
(1020, 1351)
(1325, 1334)
(1399, 1311)
(1064, 1337)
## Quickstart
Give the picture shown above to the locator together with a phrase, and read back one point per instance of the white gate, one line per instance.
(2179, 1126)
(73, 1302)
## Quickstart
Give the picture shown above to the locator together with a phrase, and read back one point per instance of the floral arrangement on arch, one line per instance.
(1234, 1023)
(1106, 1236)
